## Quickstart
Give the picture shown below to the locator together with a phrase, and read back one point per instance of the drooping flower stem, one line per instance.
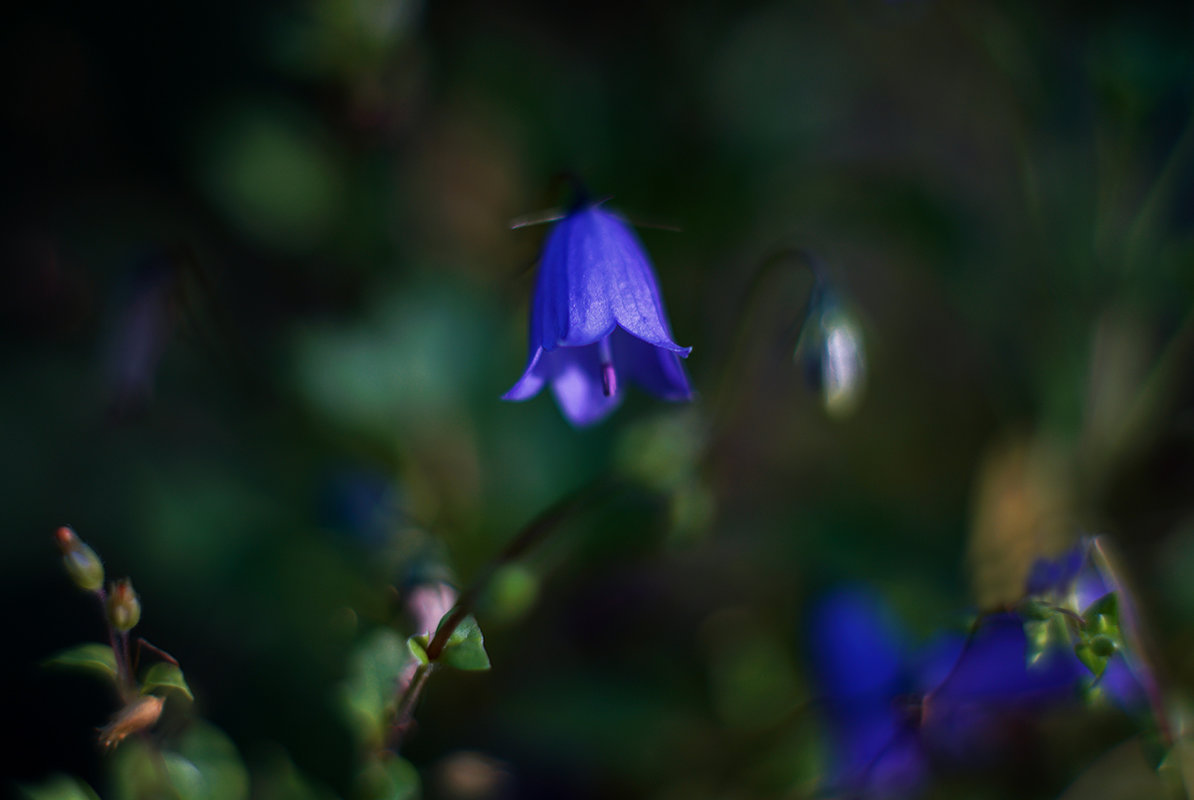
(531, 535)
(794, 258)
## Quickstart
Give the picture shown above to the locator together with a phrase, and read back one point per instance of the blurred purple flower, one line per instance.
(863, 668)
(596, 316)
(141, 330)
(895, 712)
(361, 503)
(1072, 571)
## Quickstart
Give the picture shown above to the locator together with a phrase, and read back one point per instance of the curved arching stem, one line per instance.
(530, 536)
(788, 258)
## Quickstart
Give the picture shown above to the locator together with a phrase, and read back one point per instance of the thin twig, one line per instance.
(143, 643)
(531, 535)
(124, 680)
(794, 257)
(407, 704)
(537, 530)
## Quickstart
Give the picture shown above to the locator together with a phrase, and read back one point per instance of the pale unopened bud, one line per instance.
(124, 609)
(831, 349)
(843, 369)
(81, 562)
(139, 715)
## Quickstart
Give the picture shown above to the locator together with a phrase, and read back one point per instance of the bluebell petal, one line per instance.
(1045, 576)
(1121, 685)
(576, 383)
(856, 649)
(1090, 586)
(532, 380)
(877, 754)
(595, 275)
(653, 368)
(992, 667)
(899, 770)
(983, 684)
(1056, 575)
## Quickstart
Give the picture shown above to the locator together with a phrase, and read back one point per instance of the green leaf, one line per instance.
(367, 697)
(205, 767)
(164, 675)
(1046, 635)
(135, 773)
(1033, 609)
(60, 787)
(272, 172)
(185, 778)
(1103, 646)
(417, 645)
(465, 649)
(1102, 616)
(1108, 604)
(1090, 659)
(511, 592)
(388, 778)
(96, 658)
(214, 756)
(279, 779)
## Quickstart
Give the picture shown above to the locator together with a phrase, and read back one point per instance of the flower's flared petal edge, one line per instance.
(653, 368)
(532, 380)
(576, 383)
(597, 275)
(1121, 685)
(1057, 574)
(1090, 586)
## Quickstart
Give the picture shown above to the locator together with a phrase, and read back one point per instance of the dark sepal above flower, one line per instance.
(597, 319)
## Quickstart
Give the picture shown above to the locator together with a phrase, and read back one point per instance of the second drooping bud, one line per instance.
(124, 607)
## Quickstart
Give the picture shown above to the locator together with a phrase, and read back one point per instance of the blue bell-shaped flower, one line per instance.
(597, 319)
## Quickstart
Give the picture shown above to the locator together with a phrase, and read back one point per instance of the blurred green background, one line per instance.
(259, 299)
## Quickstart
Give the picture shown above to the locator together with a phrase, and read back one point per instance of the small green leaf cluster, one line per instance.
(1100, 637)
(465, 649)
(99, 659)
(378, 669)
(200, 763)
(1094, 634)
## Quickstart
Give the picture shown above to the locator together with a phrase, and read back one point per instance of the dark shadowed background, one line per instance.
(259, 298)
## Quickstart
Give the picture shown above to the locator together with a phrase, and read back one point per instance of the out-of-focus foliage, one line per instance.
(260, 299)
